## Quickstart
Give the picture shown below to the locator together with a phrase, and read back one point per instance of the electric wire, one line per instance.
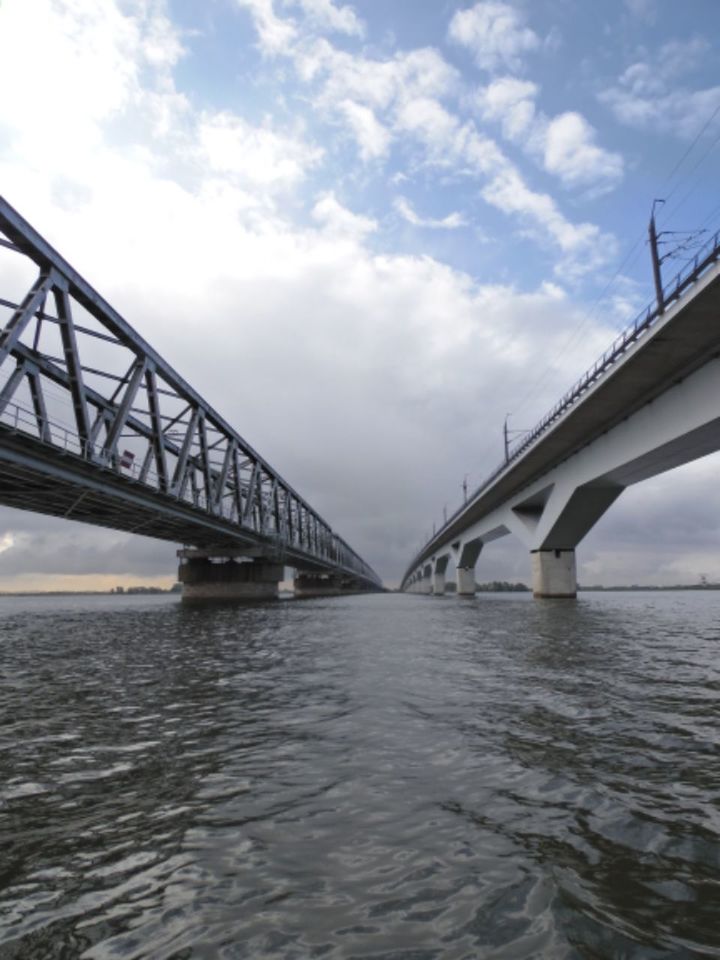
(689, 150)
(633, 252)
(666, 216)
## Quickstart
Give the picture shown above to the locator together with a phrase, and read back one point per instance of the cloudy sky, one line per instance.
(367, 232)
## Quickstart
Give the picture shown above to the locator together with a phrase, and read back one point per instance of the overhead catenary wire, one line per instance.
(632, 254)
(690, 149)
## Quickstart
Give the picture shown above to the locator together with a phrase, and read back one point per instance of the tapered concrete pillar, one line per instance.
(554, 574)
(438, 575)
(222, 578)
(465, 581)
(465, 567)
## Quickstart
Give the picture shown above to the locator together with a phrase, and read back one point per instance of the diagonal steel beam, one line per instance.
(157, 446)
(228, 460)
(13, 382)
(123, 410)
(180, 478)
(30, 304)
(205, 463)
(72, 363)
(38, 401)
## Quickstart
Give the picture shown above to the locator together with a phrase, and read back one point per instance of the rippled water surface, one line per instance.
(386, 776)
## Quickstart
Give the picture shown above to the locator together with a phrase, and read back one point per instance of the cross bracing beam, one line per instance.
(95, 425)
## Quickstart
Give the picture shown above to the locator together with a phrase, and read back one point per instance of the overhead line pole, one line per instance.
(657, 277)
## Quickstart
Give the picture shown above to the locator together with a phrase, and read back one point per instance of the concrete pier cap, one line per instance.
(229, 575)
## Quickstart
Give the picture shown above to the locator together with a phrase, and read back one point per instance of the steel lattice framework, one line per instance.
(96, 426)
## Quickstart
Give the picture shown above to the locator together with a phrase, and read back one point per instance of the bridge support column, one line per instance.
(465, 581)
(318, 585)
(438, 576)
(465, 568)
(554, 574)
(221, 578)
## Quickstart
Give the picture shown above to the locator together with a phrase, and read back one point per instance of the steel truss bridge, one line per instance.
(96, 426)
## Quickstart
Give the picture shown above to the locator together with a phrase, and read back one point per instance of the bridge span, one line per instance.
(96, 426)
(650, 403)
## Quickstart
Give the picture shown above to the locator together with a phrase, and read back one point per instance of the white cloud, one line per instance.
(399, 98)
(451, 222)
(511, 102)
(339, 221)
(377, 83)
(372, 137)
(571, 153)
(495, 32)
(254, 154)
(460, 146)
(585, 247)
(565, 144)
(650, 94)
(326, 16)
(112, 52)
(276, 34)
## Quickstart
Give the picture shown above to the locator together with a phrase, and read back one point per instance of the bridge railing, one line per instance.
(77, 377)
(643, 322)
(707, 256)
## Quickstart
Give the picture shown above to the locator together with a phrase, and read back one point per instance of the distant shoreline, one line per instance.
(482, 588)
(637, 588)
(130, 592)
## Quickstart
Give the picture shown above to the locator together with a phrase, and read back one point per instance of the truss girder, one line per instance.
(77, 382)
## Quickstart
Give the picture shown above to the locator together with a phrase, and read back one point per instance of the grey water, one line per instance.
(385, 776)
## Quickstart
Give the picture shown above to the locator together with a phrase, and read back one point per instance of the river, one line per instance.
(390, 777)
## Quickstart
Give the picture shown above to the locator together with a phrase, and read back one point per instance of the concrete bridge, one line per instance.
(96, 426)
(650, 403)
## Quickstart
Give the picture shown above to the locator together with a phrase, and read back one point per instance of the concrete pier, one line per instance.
(326, 585)
(554, 574)
(467, 557)
(225, 578)
(438, 576)
(318, 585)
(465, 581)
